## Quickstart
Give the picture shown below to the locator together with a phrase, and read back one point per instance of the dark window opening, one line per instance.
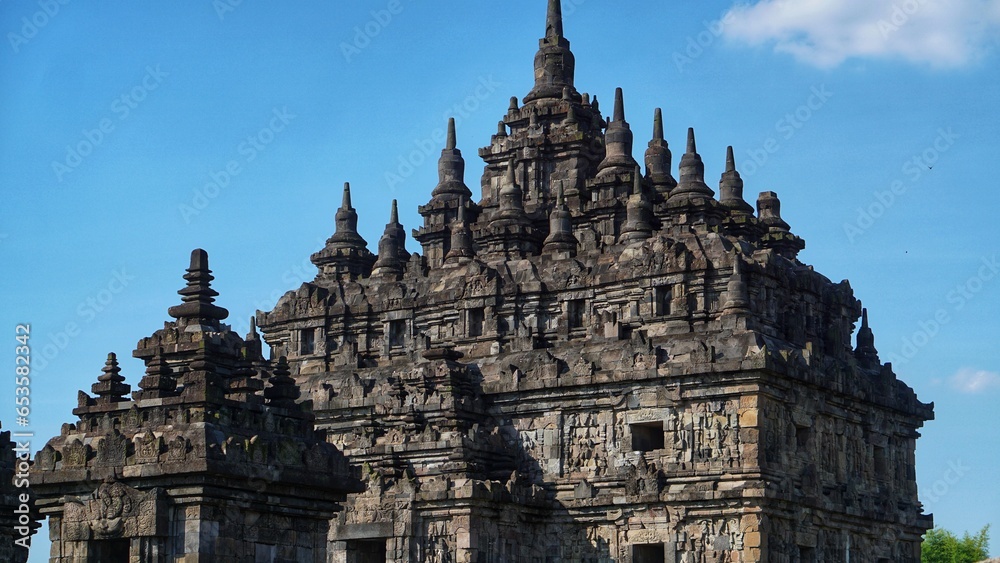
(264, 552)
(366, 551)
(711, 301)
(880, 463)
(476, 318)
(807, 555)
(307, 341)
(109, 551)
(802, 436)
(574, 313)
(662, 296)
(647, 436)
(489, 552)
(648, 553)
(397, 333)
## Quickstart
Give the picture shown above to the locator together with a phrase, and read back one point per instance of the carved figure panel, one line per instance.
(114, 511)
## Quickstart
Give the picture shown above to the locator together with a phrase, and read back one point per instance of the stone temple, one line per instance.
(592, 361)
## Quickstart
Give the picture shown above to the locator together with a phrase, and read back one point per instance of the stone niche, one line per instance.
(114, 522)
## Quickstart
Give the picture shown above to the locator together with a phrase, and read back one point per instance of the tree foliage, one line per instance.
(942, 546)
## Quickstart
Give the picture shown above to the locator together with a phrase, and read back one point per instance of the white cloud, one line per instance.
(968, 380)
(939, 33)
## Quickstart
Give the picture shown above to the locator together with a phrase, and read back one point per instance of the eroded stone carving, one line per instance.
(114, 511)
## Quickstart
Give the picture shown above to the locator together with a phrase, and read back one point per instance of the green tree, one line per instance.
(942, 546)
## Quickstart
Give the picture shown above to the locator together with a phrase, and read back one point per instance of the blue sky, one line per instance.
(132, 134)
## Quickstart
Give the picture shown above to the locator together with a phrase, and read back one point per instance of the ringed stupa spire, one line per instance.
(731, 187)
(392, 255)
(553, 19)
(197, 296)
(619, 139)
(555, 65)
(346, 253)
(461, 238)
(451, 169)
(561, 241)
(865, 352)
(692, 172)
(511, 198)
(658, 159)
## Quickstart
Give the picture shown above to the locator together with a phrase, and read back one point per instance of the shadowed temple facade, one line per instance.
(591, 359)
